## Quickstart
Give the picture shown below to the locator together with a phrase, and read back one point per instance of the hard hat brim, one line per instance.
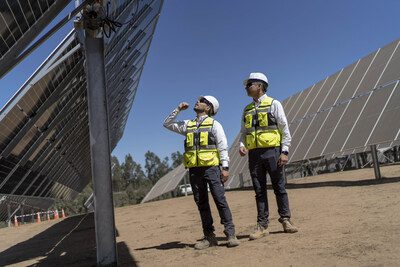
(247, 80)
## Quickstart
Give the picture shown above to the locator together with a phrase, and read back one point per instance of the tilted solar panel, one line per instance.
(44, 133)
(21, 21)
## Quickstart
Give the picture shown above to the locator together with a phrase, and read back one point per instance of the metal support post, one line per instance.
(375, 161)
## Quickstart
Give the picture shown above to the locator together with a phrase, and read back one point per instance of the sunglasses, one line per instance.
(205, 101)
(249, 84)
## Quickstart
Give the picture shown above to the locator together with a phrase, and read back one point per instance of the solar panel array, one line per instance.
(345, 113)
(349, 110)
(19, 204)
(20, 23)
(44, 134)
(238, 167)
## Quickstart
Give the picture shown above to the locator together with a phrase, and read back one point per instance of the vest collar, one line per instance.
(258, 102)
(201, 118)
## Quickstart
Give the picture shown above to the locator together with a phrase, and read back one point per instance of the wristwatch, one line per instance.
(285, 153)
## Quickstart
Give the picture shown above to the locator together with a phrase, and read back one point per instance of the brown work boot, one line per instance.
(288, 227)
(207, 241)
(259, 232)
(233, 241)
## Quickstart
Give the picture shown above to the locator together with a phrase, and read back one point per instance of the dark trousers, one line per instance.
(199, 178)
(261, 161)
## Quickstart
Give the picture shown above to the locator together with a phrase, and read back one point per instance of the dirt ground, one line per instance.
(345, 219)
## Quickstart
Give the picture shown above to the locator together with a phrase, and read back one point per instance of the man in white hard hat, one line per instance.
(206, 149)
(266, 138)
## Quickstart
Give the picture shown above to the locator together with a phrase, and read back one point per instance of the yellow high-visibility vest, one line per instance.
(200, 145)
(261, 131)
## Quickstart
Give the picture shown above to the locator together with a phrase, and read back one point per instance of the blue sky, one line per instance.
(209, 47)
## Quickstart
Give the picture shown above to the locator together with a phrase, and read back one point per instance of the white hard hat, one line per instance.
(213, 102)
(256, 76)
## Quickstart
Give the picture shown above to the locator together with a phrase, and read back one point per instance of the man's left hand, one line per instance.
(224, 176)
(283, 160)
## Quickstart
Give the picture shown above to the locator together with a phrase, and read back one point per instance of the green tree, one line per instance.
(155, 168)
(117, 175)
(138, 176)
(177, 159)
(132, 171)
(127, 169)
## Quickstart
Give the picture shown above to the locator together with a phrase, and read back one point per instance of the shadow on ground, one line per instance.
(338, 183)
(71, 242)
(344, 183)
(180, 245)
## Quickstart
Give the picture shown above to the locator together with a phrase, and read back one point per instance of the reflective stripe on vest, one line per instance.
(200, 145)
(261, 131)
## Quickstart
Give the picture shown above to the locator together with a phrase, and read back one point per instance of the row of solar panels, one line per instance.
(44, 135)
(343, 114)
(21, 21)
(348, 110)
(17, 205)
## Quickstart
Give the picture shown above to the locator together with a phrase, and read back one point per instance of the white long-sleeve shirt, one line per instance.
(279, 117)
(217, 130)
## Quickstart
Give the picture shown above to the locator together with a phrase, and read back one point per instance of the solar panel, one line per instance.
(377, 68)
(310, 101)
(44, 134)
(391, 72)
(20, 23)
(238, 167)
(166, 184)
(286, 101)
(306, 137)
(294, 104)
(369, 117)
(346, 114)
(387, 128)
(304, 102)
(12, 203)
